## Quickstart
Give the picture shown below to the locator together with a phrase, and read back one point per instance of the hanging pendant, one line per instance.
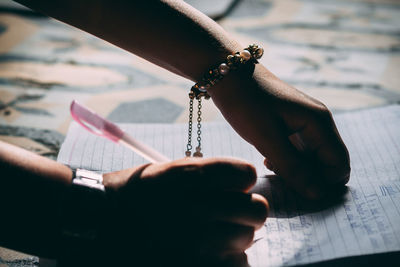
(188, 151)
(194, 95)
(198, 148)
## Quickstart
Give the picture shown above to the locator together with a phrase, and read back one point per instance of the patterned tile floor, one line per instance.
(344, 52)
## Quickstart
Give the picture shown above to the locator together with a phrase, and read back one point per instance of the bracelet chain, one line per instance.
(198, 91)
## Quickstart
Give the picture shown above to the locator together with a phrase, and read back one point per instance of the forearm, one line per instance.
(29, 189)
(169, 33)
(263, 109)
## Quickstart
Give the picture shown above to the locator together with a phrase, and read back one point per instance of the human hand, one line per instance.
(273, 116)
(195, 207)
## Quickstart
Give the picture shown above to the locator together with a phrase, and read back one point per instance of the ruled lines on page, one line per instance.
(365, 220)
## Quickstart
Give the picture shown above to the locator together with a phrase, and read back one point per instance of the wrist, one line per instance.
(243, 61)
(245, 80)
(84, 211)
(236, 91)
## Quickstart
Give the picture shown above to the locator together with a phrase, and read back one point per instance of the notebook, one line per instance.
(366, 220)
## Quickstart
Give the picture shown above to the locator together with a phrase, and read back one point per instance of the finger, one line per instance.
(213, 173)
(224, 238)
(315, 161)
(322, 140)
(288, 162)
(233, 207)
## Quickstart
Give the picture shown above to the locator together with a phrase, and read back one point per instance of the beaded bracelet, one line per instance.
(249, 55)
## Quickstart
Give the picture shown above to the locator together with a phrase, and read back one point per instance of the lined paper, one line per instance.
(366, 220)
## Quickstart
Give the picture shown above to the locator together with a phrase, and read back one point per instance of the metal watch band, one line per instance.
(88, 178)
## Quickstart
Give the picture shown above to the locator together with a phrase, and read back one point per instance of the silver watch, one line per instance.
(88, 178)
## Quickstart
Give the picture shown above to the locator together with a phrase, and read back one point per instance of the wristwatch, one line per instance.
(84, 216)
(83, 206)
(87, 178)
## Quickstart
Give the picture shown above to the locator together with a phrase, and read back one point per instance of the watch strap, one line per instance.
(83, 206)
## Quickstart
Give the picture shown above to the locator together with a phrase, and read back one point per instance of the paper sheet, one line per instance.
(366, 221)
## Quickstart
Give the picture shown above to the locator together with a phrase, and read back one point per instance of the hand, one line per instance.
(271, 115)
(194, 207)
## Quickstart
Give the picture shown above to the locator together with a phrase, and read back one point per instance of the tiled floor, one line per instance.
(344, 52)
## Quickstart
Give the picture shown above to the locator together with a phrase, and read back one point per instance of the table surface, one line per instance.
(343, 52)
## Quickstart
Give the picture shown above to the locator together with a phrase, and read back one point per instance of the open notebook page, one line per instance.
(365, 221)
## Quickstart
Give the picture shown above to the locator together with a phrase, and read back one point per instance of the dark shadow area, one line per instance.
(155, 258)
(286, 203)
(166, 237)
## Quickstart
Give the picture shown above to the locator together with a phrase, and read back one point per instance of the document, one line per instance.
(365, 220)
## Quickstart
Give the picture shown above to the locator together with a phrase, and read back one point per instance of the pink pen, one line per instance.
(98, 125)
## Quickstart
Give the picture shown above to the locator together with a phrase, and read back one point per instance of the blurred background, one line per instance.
(343, 52)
